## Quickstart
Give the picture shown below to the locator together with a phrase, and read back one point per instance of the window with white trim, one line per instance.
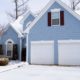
(55, 18)
(9, 48)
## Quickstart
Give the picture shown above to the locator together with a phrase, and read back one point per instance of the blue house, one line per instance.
(12, 41)
(53, 37)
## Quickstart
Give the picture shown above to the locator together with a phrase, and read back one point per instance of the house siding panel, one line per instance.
(9, 34)
(29, 18)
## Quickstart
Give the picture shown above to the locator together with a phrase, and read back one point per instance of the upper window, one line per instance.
(55, 18)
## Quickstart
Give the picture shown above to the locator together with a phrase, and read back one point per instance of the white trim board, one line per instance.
(68, 41)
(9, 40)
(55, 10)
(47, 7)
(39, 42)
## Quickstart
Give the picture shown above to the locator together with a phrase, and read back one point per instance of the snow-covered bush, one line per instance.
(3, 61)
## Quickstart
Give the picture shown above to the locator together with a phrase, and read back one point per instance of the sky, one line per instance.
(7, 6)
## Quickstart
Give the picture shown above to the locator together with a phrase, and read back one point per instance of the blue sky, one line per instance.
(7, 6)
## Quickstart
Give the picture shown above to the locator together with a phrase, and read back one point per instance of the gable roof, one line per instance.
(17, 24)
(8, 26)
(17, 27)
(26, 15)
(46, 8)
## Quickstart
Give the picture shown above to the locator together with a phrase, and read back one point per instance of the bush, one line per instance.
(4, 61)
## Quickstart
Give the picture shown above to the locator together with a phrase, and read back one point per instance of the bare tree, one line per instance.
(16, 10)
(20, 8)
(74, 4)
(1, 29)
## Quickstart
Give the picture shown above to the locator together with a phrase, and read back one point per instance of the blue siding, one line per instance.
(41, 31)
(29, 18)
(10, 34)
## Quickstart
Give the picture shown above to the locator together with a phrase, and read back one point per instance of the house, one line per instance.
(12, 41)
(54, 36)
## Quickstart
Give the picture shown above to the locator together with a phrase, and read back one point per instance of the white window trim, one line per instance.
(8, 41)
(6, 46)
(54, 11)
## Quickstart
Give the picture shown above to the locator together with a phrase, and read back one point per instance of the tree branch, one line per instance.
(77, 3)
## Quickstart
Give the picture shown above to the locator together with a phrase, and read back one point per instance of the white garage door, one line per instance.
(69, 52)
(42, 52)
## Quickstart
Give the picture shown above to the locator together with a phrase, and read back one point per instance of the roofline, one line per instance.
(26, 15)
(47, 7)
(19, 33)
(9, 25)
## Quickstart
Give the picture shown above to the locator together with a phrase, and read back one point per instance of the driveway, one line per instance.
(37, 72)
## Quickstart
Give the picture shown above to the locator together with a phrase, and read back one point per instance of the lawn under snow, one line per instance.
(36, 72)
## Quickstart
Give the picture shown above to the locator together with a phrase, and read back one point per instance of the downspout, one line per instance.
(20, 48)
(27, 45)
(20, 52)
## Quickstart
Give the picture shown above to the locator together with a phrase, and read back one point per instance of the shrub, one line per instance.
(4, 61)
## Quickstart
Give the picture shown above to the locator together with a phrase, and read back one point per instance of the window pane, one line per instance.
(55, 18)
(55, 15)
(9, 48)
(55, 21)
(9, 53)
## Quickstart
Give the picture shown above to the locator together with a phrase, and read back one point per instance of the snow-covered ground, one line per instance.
(11, 65)
(37, 72)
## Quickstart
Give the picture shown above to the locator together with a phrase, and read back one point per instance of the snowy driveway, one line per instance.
(36, 72)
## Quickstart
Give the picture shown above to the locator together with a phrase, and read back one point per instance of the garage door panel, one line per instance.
(69, 53)
(42, 53)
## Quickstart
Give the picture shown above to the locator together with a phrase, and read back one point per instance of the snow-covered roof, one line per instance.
(46, 8)
(77, 11)
(26, 15)
(17, 25)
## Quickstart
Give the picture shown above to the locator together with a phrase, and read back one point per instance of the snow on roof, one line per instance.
(17, 27)
(17, 24)
(78, 12)
(26, 15)
(28, 23)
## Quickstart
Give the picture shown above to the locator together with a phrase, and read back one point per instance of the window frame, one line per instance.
(55, 11)
(10, 48)
(6, 43)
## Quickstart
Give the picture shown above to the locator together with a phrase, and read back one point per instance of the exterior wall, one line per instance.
(9, 34)
(29, 18)
(41, 30)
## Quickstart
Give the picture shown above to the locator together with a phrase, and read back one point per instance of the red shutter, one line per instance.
(49, 18)
(61, 17)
